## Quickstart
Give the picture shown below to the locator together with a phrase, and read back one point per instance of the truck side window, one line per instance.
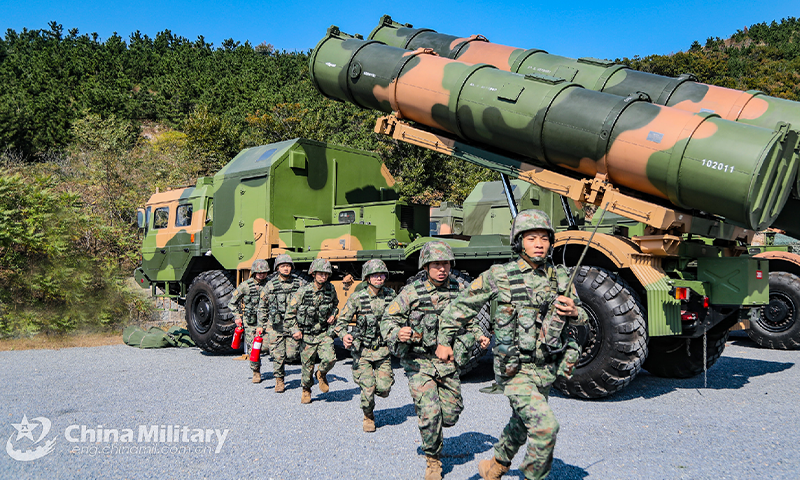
(210, 212)
(161, 217)
(183, 215)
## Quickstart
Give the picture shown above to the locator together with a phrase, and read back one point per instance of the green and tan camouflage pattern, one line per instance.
(530, 219)
(244, 301)
(375, 265)
(685, 93)
(283, 258)
(434, 385)
(272, 306)
(244, 304)
(309, 311)
(326, 185)
(259, 266)
(668, 154)
(321, 265)
(372, 363)
(526, 375)
(435, 251)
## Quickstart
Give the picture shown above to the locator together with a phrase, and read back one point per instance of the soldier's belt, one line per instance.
(531, 358)
(428, 353)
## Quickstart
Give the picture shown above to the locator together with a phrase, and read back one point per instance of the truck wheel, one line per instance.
(617, 337)
(672, 357)
(208, 319)
(777, 327)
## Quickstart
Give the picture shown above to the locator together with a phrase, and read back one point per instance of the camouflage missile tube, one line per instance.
(684, 92)
(698, 162)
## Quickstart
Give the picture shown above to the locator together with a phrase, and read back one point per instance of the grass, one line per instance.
(57, 342)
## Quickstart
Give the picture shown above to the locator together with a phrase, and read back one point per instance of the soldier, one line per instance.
(410, 326)
(372, 364)
(244, 305)
(272, 308)
(312, 311)
(532, 346)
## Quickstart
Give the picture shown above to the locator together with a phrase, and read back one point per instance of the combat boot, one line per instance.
(434, 469)
(256, 376)
(323, 382)
(279, 386)
(492, 469)
(369, 422)
(305, 397)
(243, 356)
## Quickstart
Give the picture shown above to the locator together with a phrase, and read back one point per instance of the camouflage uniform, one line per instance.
(308, 312)
(244, 302)
(525, 366)
(372, 364)
(272, 308)
(434, 385)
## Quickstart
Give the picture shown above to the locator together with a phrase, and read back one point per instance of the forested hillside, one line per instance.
(89, 128)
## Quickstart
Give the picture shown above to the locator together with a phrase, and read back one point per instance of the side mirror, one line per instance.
(140, 218)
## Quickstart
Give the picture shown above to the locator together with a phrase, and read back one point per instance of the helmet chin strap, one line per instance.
(535, 260)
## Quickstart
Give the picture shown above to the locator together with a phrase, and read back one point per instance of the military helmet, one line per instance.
(436, 251)
(283, 258)
(531, 220)
(260, 266)
(320, 265)
(373, 266)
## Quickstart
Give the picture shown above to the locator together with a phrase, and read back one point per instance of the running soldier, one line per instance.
(532, 343)
(272, 308)
(372, 364)
(311, 313)
(410, 326)
(244, 305)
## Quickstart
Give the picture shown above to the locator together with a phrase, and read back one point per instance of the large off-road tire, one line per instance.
(484, 320)
(672, 357)
(778, 326)
(616, 346)
(208, 318)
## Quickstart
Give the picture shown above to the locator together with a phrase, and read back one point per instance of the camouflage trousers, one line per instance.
(437, 399)
(321, 349)
(249, 335)
(532, 420)
(372, 372)
(284, 348)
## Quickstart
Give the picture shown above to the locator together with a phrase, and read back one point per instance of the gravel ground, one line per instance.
(742, 425)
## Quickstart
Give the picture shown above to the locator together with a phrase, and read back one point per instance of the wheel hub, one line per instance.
(202, 313)
(778, 315)
(594, 338)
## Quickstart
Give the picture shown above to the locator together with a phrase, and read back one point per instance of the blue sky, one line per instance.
(610, 29)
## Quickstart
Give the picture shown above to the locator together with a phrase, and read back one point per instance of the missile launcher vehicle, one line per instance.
(659, 295)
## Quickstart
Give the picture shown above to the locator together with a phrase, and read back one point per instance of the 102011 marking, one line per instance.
(718, 166)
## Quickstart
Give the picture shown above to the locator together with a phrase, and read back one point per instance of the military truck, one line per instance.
(656, 292)
(777, 326)
(302, 197)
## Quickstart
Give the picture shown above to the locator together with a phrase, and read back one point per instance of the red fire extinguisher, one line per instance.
(237, 338)
(255, 353)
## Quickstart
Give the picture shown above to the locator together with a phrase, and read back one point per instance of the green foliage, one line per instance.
(90, 128)
(47, 282)
(763, 57)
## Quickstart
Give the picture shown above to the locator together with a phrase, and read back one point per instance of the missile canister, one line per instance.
(698, 162)
(684, 92)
